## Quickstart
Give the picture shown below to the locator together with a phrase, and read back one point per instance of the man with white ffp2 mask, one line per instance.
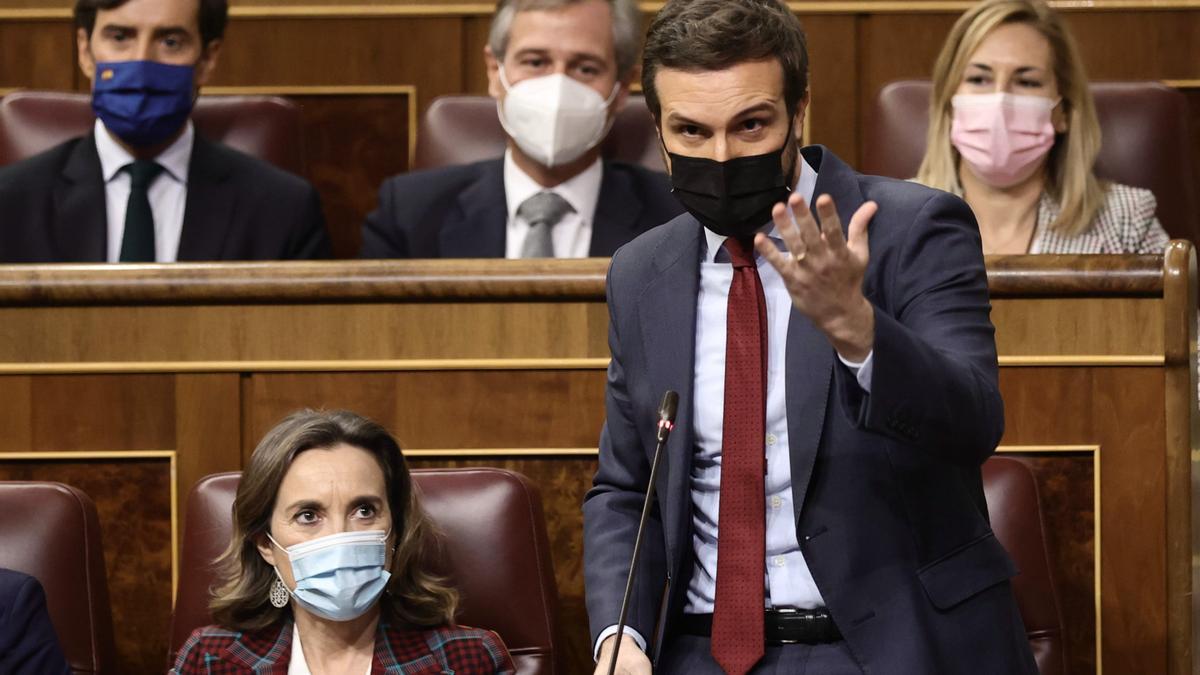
(560, 71)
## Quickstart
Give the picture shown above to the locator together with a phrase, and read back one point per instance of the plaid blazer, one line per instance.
(446, 650)
(1125, 224)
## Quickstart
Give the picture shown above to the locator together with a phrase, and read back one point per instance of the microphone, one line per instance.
(666, 422)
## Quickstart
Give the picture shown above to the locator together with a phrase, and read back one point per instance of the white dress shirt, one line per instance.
(573, 234)
(787, 579)
(168, 192)
(299, 665)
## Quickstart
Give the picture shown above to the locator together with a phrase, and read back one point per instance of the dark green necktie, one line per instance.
(137, 245)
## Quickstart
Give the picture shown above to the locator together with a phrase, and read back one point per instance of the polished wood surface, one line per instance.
(503, 363)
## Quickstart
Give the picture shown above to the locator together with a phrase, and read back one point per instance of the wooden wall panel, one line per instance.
(364, 331)
(557, 409)
(424, 52)
(1118, 410)
(74, 413)
(352, 142)
(133, 501)
(37, 55)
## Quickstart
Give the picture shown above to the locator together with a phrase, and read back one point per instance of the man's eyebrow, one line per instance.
(756, 108)
(677, 118)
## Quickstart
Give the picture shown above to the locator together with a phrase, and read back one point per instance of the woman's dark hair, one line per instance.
(214, 14)
(417, 596)
(700, 35)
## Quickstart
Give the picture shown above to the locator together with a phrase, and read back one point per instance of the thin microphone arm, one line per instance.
(666, 422)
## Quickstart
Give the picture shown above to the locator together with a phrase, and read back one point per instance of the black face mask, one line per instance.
(733, 198)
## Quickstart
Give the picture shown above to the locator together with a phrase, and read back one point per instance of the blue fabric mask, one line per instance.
(143, 102)
(340, 576)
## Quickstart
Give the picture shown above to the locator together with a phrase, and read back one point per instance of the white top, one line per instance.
(573, 234)
(786, 577)
(298, 665)
(168, 192)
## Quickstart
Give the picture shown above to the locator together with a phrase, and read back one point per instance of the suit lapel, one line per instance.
(667, 315)
(479, 225)
(208, 212)
(617, 213)
(80, 224)
(810, 357)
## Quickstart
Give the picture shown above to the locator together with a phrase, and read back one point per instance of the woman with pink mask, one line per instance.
(1013, 130)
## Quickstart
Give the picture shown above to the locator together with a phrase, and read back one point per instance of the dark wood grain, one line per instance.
(133, 502)
(385, 281)
(352, 142)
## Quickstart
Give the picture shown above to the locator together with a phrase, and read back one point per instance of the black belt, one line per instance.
(781, 626)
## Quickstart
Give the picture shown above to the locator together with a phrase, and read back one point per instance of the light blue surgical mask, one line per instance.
(339, 576)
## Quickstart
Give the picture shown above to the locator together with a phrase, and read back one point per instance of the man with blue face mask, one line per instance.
(559, 71)
(144, 186)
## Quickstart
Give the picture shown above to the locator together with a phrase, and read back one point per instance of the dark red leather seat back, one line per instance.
(267, 127)
(50, 531)
(1016, 514)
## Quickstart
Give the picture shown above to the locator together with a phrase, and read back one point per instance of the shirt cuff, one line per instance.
(612, 630)
(862, 369)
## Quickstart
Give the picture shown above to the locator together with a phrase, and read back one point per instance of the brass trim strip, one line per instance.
(408, 90)
(502, 452)
(408, 365)
(1096, 547)
(117, 367)
(485, 9)
(71, 455)
(1083, 360)
(1183, 84)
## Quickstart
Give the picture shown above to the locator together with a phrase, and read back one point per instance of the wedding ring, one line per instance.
(798, 258)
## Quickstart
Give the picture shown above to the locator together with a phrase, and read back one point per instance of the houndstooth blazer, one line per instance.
(1125, 224)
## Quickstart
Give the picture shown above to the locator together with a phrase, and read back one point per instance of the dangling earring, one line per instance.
(279, 594)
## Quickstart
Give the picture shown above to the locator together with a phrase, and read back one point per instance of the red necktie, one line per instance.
(737, 630)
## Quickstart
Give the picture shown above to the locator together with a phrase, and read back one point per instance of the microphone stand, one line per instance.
(666, 422)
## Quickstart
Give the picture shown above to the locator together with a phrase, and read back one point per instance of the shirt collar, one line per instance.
(806, 185)
(582, 192)
(175, 159)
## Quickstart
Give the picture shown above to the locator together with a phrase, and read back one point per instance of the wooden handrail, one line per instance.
(476, 280)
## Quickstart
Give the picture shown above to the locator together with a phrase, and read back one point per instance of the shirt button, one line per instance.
(776, 501)
(779, 562)
(772, 439)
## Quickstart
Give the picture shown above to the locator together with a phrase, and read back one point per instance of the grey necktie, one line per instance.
(542, 211)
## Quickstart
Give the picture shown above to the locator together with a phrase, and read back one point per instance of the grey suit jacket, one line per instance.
(890, 512)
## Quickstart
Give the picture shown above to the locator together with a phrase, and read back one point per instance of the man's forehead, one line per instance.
(719, 93)
(153, 13)
(583, 28)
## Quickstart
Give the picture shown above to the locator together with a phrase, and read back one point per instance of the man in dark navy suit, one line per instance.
(559, 70)
(28, 645)
(144, 186)
(820, 507)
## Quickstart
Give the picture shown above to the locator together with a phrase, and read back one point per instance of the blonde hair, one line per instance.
(1070, 179)
(415, 595)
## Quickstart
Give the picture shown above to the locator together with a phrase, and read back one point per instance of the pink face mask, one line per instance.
(1002, 136)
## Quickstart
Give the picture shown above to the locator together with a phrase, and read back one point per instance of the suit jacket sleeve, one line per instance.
(311, 240)
(613, 507)
(382, 235)
(935, 380)
(28, 644)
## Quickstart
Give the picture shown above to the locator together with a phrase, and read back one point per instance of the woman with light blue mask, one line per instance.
(325, 572)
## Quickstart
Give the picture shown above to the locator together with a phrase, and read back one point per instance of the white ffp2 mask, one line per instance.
(554, 119)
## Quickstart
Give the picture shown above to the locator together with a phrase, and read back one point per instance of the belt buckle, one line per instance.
(785, 610)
